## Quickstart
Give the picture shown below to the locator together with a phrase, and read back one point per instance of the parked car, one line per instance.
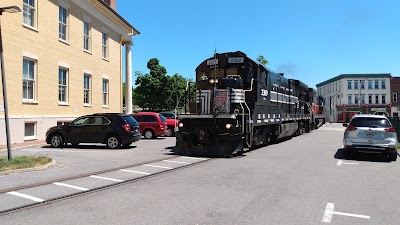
(172, 123)
(112, 129)
(370, 133)
(151, 124)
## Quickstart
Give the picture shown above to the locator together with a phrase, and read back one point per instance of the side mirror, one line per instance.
(345, 125)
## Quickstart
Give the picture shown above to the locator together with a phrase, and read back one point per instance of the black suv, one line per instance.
(112, 129)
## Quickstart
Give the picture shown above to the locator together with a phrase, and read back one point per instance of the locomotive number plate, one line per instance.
(236, 60)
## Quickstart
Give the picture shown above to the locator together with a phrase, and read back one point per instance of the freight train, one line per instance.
(239, 103)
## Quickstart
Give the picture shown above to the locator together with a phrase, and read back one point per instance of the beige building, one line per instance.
(62, 59)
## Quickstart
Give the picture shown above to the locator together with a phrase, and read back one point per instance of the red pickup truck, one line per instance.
(172, 123)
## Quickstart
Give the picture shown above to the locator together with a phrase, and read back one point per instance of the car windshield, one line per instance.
(369, 122)
(163, 118)
(130, 120)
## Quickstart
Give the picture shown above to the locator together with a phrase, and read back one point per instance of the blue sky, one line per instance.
(310, 40)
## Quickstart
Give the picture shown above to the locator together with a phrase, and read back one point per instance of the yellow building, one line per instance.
(62, 59)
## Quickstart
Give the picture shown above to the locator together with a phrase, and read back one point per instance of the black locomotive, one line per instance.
(240, 103)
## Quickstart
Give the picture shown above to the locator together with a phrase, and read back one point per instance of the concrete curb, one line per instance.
(21, 147)
(53, 163)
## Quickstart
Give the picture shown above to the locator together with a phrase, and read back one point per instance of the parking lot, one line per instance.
(304, 180)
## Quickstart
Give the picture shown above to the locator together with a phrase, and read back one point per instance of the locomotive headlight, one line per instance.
(180, 125)
(212, 81)
(228, 126)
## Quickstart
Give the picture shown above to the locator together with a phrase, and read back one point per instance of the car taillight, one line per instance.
(351, 128)
(390, 129)
(127, 127)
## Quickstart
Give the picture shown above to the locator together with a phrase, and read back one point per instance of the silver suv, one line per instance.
(370, 133)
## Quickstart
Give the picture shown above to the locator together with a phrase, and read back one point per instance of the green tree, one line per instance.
(153, 90)
(262, 60)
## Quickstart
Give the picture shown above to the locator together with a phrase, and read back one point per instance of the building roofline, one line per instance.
(120, 17)
(361, 75)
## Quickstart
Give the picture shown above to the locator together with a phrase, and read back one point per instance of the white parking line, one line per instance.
(340, 162)
(171, 161)
(162, 167)
(187, 157)
(327, 218)
(71, 186)
(106, 178)
(134, 171)
(25, 196)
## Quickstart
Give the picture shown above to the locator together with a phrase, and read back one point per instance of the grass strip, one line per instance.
(22, 162)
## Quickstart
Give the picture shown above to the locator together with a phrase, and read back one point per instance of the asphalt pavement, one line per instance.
(304, 180)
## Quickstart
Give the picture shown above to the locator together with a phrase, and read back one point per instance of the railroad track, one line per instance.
(34, 195)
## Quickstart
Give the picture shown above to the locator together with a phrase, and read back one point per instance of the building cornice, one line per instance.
(108, 16)
(357, 76)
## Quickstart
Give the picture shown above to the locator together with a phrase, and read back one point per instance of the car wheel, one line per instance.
(169, 132)
(392, 156)
(148, 134)
(113, 142)
(56, 141)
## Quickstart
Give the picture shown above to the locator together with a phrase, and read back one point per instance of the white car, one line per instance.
(370, 133)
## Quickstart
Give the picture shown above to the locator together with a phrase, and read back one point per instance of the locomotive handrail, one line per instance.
(243, 119)
(250, 124)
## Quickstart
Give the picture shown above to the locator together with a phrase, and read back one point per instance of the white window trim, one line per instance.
(35, 17)
(89, 50)
(34, 59)
(90, 89)
(108, 93)
(395, 96)
(66, 102)
(107, 46)
(66, 41)
(34, 137)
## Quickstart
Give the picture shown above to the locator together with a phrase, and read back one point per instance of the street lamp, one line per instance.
(9, 9)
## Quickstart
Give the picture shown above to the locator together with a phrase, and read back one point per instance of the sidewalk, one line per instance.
(25, 144)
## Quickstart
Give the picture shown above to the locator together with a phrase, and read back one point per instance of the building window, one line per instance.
(369, 84)
(362, 99)
(349, 101)
(356, 99)
(63, 85)
(60, 123)
(28, 80)
(369, 99)
(86, 89)
(86, 35)
(383, 84)
(356, 84)
(394, 97)
(30, 130)
(105, 92)
(376, 84)
(362, 84)
(383, 99)
(62, 23)
(29, 13)
(376, 99)
(349, 84)
(105, 45)
(336, 86)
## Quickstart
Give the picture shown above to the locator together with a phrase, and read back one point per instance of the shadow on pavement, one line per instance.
(361, 156)
(86, 146)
